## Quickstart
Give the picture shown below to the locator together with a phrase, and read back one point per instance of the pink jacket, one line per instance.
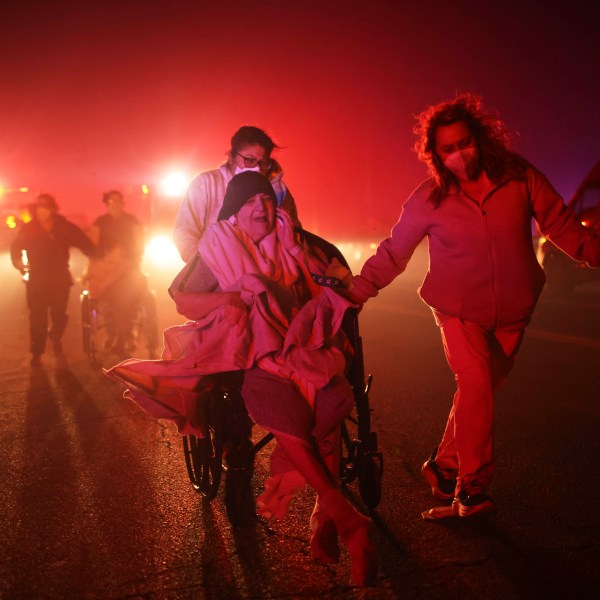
(482, 264)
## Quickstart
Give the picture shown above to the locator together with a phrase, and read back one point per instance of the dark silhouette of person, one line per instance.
(41, 250)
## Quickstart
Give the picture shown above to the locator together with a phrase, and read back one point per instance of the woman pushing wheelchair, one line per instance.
(256, 307)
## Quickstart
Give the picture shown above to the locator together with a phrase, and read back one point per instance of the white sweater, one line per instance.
(201, 205)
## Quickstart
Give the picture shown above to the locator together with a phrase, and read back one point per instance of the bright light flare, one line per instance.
(161, 252)
(174, 184)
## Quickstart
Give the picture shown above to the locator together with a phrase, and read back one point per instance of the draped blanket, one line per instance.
(102, 273)
(279, 331)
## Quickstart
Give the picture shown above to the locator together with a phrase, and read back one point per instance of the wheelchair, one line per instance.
(97, 325)
(227, 449)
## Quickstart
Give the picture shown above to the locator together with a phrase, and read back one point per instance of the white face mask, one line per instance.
(256, 169)
(463, 163)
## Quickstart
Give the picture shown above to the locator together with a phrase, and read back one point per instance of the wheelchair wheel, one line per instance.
(349, 453)
(89, 326)
(361, 460)
(204, 456)
(203, 461)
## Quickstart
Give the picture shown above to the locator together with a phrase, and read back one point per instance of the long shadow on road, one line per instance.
(75, 520)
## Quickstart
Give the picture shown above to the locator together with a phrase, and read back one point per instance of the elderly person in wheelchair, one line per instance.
(256, 308)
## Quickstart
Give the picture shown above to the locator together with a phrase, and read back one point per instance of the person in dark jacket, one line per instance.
(483, 279)
(41, 251)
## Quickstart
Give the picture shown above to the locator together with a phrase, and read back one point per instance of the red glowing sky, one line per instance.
(113, 94)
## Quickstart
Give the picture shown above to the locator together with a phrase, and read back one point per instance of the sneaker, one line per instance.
(474, 503)
(442, 482)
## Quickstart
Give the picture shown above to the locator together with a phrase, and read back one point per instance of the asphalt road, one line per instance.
(95, 500)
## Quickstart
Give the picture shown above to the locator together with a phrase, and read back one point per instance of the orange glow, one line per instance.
(11, 221)
(145, 189)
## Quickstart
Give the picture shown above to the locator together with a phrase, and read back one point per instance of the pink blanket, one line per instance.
(301, 343)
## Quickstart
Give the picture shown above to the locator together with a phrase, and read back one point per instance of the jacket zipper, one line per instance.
(481, 207)
(492, 264)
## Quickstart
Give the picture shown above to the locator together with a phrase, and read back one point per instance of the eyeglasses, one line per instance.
(250, 161)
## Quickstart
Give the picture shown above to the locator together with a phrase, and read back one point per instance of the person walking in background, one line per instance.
(117, 229)
(114, 276)
(483, 280)
(46, 241)
(251, 150)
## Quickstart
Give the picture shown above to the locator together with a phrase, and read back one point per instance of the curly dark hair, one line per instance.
(491, 136)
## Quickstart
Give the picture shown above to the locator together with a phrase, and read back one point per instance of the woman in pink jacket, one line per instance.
(483, 280)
